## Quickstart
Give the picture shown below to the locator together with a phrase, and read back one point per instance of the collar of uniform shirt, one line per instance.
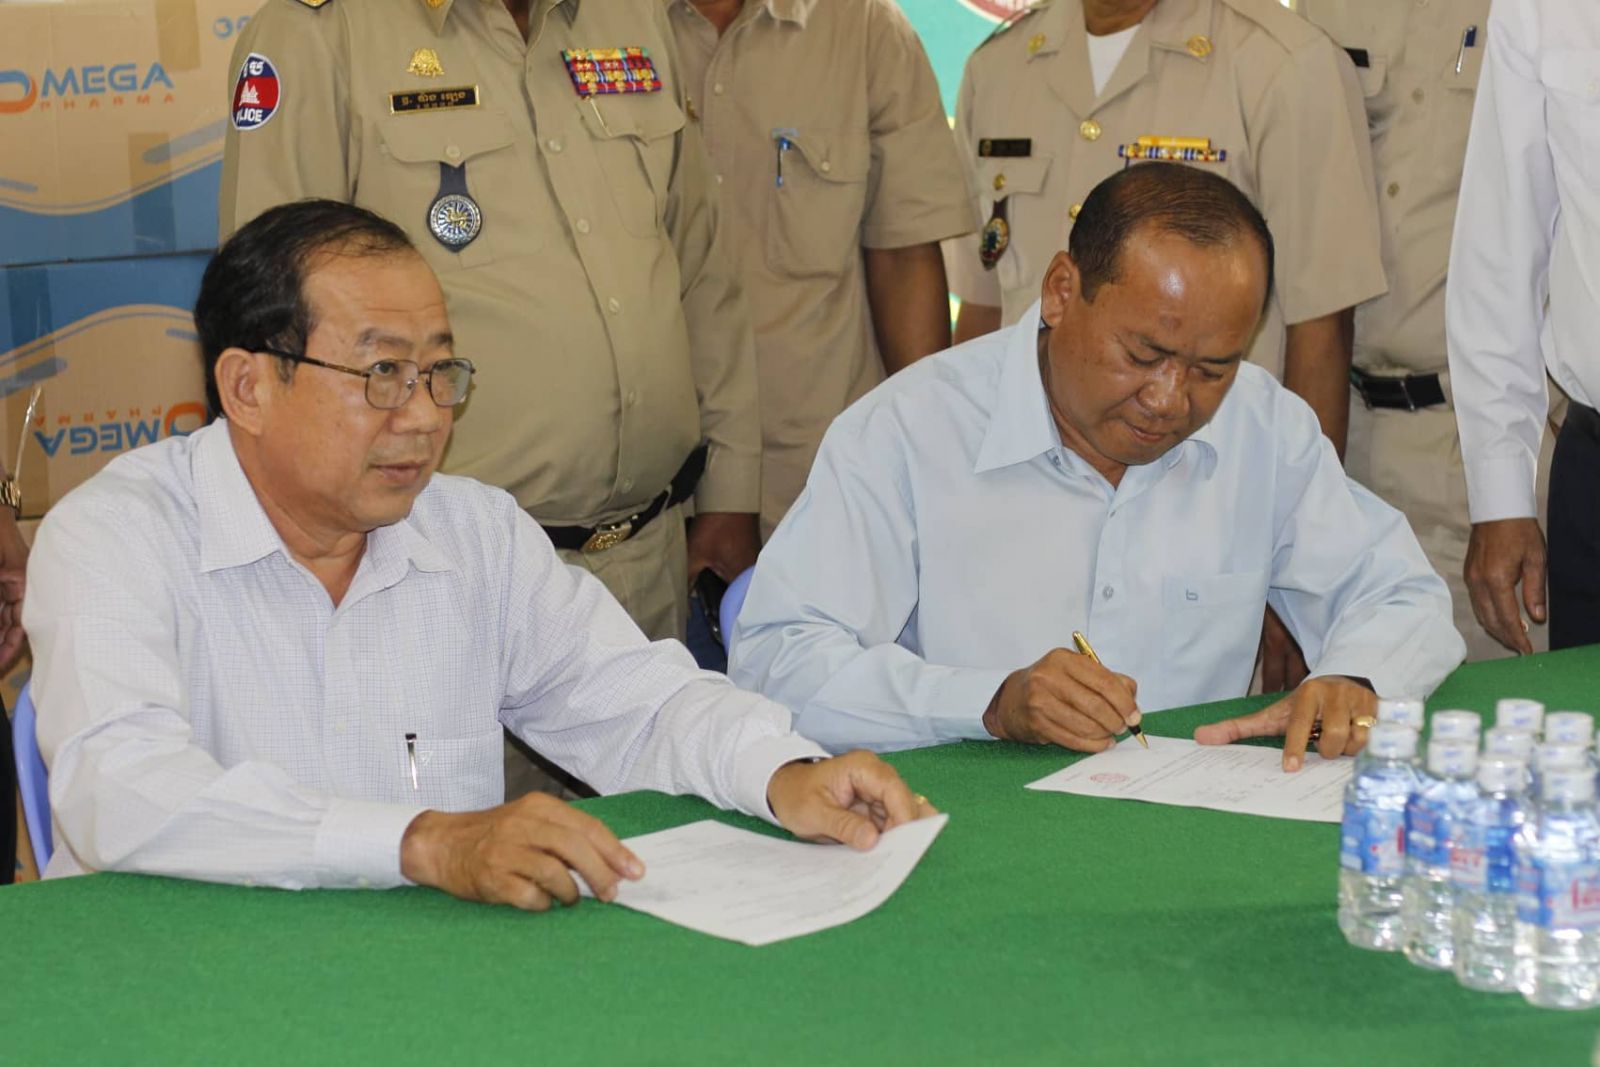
(1170, 26)
(438, 15)
(235, 530)
(795, 11)
(1020, 426)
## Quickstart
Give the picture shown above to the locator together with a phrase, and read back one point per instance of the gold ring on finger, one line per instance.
(1365, 722)
(922, 800)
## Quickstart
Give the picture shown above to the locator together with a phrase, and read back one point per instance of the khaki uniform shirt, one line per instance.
(872, 164)
(605, 320)
(1419, 107)
(1255, 79)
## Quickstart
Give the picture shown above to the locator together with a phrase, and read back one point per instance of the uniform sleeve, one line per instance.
(131, 789)
(1348, 576)
(835, 587)
(1499, 278)
(1314, 172)
(917, 188)
(721, 341)
(585, 688)
(303, 147)
(968, 280)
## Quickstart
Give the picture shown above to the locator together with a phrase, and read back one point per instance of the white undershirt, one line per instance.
(1105, 53)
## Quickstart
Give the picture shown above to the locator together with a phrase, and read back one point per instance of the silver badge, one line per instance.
(455, 219)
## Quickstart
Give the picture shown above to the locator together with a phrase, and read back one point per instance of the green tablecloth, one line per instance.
(1040, 928)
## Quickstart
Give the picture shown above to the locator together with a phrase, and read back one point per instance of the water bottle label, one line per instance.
(1372, 841)
(1499, 860)
(1428, 832)
(1469, 862)
(1560, 895)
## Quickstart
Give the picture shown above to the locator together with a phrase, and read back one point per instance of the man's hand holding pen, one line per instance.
(1064, 699)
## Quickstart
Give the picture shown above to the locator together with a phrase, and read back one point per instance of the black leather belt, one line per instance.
(1409, 393)
(610, 534)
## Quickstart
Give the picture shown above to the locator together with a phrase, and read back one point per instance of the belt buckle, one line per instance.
(609, 535)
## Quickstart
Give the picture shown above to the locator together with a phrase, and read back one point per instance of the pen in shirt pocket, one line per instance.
(783, 140)
(1469, 39)
(411, 758)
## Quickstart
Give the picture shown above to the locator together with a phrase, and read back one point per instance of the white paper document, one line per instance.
(1241, 778)
(748, 887)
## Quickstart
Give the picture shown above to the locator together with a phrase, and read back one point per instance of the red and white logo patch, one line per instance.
(256, 94)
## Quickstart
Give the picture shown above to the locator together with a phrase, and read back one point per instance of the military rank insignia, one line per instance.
(454, 218)
(995, 236)
(595, 71)
(1172, 150)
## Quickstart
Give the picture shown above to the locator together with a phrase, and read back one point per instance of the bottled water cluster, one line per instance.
(1483, 856)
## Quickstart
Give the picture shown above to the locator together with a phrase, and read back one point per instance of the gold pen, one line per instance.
(1084, 649)
(411, 757)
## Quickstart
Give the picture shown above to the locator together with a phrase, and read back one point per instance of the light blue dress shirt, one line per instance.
(946, 538)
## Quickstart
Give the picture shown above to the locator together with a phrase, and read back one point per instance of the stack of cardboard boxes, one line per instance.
(111, 128)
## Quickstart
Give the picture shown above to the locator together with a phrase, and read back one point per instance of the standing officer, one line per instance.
(1074, 90)
(839, 178)
(536, 152)
(1418, 67)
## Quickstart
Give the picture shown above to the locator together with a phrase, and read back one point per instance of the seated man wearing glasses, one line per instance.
(280, 651)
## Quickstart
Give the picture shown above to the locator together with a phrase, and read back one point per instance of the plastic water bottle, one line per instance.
(1455, 726)
(1549, 757)
(1402, 710)
(1372, 838)
(1442, 796)
(1519, 713)
(1481, 869)
(1511, 741)
(1569, 728)
(1558, 894)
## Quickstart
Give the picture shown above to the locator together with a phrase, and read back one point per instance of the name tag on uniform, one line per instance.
(412, 100)
(1005, 147)
(611, 70)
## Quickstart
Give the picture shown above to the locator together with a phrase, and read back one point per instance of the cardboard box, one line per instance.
(113, 344)
(112, 117)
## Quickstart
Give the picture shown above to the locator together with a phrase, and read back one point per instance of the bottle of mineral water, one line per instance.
(1455, 726)
(1441, 797)
(1403, 710)
(1511, 741)
(1481, 869)
(1372, 838)
(1551, 756)
(1519, 713)
(1558, 894)
(1569, 728)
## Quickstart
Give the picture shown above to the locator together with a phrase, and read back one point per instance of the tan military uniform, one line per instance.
(1418, 82)
(1250, 77)
(871, 164)
(605, 320)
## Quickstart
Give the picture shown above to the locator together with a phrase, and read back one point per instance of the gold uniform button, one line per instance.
(1035, 43)
(1394, 189)
(1090, 129)
(1199, 46)
(452, 152)
(999, 182)
(1072, 212)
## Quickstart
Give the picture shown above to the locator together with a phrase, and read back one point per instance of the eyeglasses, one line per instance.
(390, 382)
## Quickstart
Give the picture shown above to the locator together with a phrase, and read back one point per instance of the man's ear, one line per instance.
(1061, 288)
(244, 383)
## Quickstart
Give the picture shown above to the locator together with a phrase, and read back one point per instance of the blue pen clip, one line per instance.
(783, 139)
(1469, 39)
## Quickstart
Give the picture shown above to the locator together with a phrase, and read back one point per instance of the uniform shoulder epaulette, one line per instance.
(1278, 22)
(1016, 18)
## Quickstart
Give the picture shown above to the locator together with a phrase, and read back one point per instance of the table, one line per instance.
(1040, 928)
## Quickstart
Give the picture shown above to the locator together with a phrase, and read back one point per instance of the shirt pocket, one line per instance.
(1460, 89)
(407, 185)
(1571, 77)
(1213, 618)
(814, 223)
(1020, 182)
(635, 145)
(459, 773)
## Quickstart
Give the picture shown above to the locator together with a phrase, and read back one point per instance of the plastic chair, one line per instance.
(32, 779)
(732, 601)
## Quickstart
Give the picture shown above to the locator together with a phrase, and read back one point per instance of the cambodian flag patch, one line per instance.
(256, 94)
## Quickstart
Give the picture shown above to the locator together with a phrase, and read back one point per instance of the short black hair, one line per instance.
(253, 293)
(1204, 208)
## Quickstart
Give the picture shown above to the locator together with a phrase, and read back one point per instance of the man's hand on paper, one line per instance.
(1064, 699)
(849, 799)
(1332, 701)
(522, 853)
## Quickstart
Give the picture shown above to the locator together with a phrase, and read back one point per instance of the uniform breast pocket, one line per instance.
(635, 146)
(460, 773)
(1571, 77)
(410, 178)
(1213, 618)
(1020, 183)
(814, 224)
